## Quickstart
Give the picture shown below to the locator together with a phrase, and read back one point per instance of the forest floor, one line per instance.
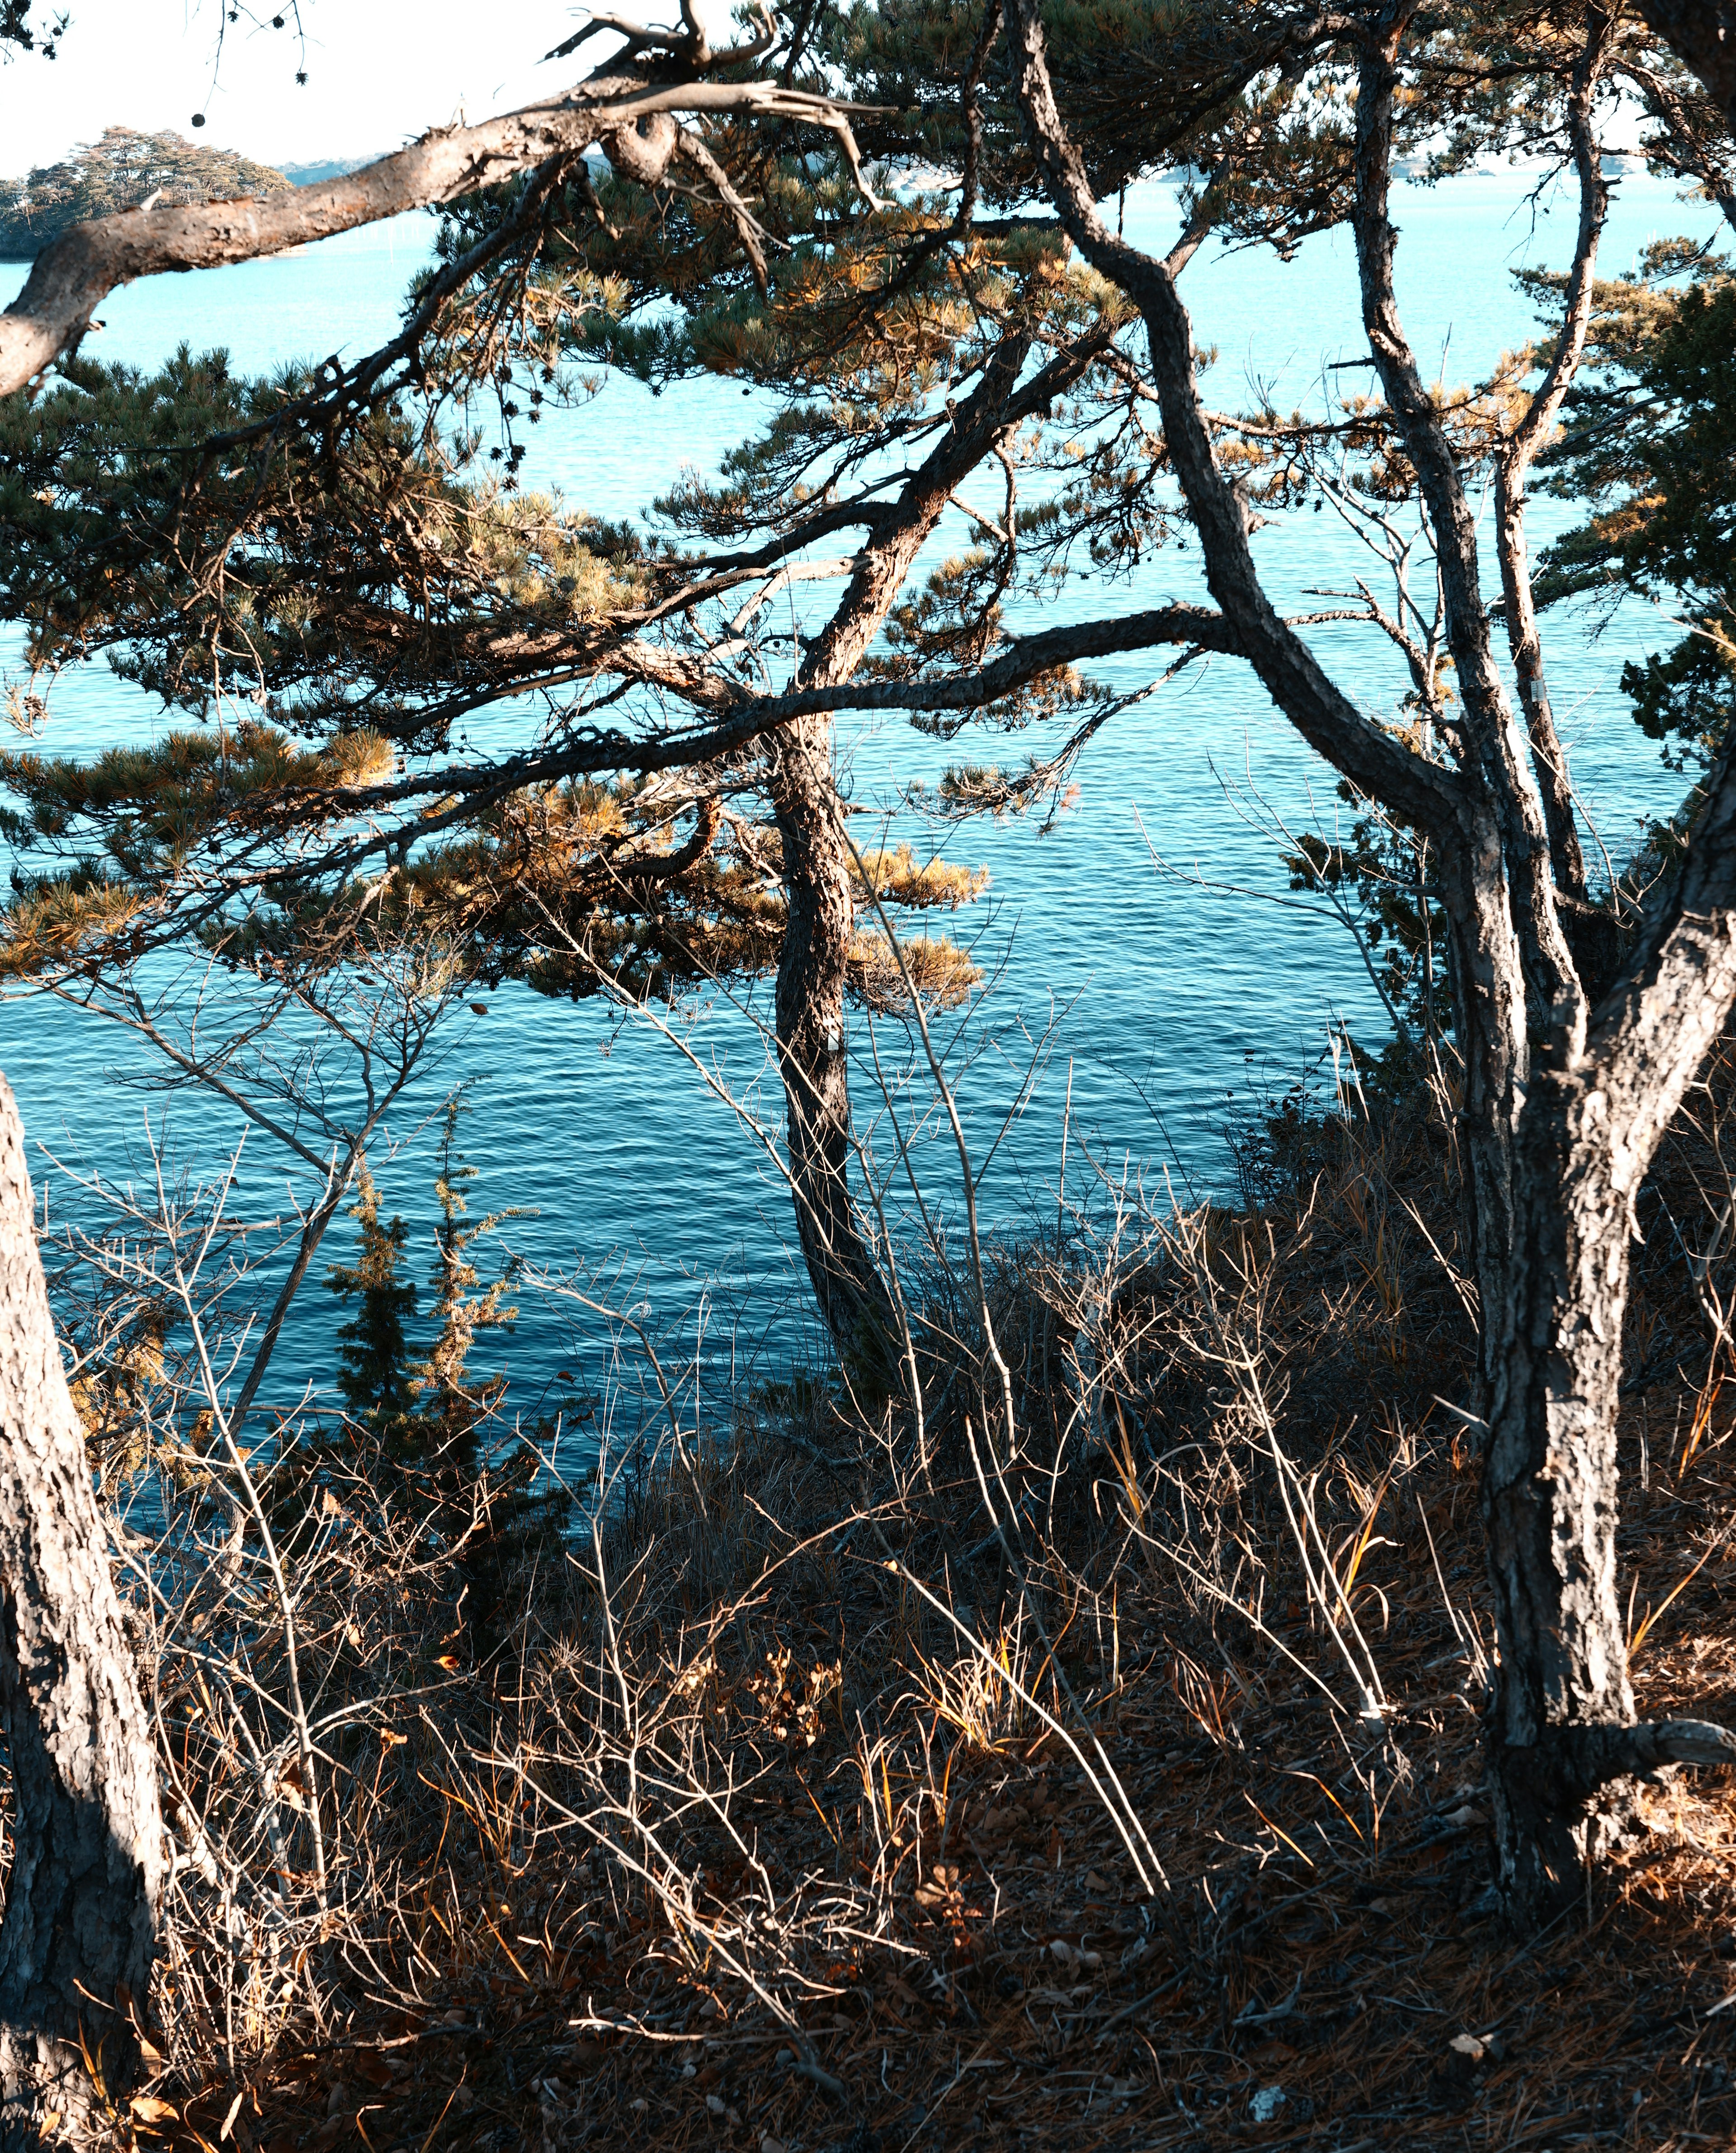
(807, 1814)
(1020, 1991)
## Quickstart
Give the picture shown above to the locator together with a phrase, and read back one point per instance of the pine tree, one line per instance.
(454, 1406)
(373, 1350)
(329, 573)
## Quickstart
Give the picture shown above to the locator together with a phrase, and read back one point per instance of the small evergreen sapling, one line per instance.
(373, 1351)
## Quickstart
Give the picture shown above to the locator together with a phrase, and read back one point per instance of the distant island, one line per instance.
(122, 170)
(328, 168)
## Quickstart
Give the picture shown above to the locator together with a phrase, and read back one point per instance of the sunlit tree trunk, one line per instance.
(1563, 1110)
(820, 924)
(79, 1931)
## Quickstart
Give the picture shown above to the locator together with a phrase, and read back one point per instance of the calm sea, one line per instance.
(1158, 1004)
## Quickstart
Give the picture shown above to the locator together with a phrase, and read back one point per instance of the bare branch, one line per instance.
(1421, 791)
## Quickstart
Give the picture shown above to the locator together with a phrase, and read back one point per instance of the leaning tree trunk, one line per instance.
(79, 1931)
(819, 924)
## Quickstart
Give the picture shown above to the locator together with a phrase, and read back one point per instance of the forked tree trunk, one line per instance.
(1587, 1103)
(78, 1935)
(1559, 1139)
(1562, 1737)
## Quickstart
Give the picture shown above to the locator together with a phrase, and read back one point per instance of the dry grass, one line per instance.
(807, 1802)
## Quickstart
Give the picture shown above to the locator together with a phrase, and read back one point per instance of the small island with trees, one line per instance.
(121, 170)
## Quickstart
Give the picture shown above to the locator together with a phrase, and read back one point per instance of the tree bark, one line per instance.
(818, 882)
(1702, 34)
(627, 108)
(1561, 1730)
(1549, 759)
(78, 1935)
(820, 921)
(1558, 1139)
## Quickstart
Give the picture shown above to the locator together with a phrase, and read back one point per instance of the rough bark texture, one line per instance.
(79, 1931)
(1703, 33)
(1561, 1730)
(818, 882)
(1555, 1152)
(819, 923)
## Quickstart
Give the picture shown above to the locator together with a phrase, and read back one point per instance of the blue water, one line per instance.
(1152, 1001)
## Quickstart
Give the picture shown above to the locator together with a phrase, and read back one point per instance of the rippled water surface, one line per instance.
(1153, 1001)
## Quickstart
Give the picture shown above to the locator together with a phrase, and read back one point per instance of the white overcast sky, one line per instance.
(379, 71)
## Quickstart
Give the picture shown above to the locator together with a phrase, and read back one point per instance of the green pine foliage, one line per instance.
(469, 1478)
(454, 1406)
(329, 576)
(372, 1347)
(1648, 444)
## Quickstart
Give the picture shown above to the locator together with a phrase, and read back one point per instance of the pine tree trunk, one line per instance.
(1553, 1354)
(79, 1931)
(819, 923)
(1558, 1140)
(1562, 1737)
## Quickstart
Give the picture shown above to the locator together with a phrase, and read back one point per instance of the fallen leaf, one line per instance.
(146, 2108)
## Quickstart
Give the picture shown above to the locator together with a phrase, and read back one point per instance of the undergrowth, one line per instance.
(1090, 1760)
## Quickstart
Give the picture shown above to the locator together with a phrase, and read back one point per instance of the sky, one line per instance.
(378, 72)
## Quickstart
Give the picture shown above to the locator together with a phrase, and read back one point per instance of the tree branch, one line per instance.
(1703, 36)
(1422, 792)
(1491, 738)
(72, 277)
